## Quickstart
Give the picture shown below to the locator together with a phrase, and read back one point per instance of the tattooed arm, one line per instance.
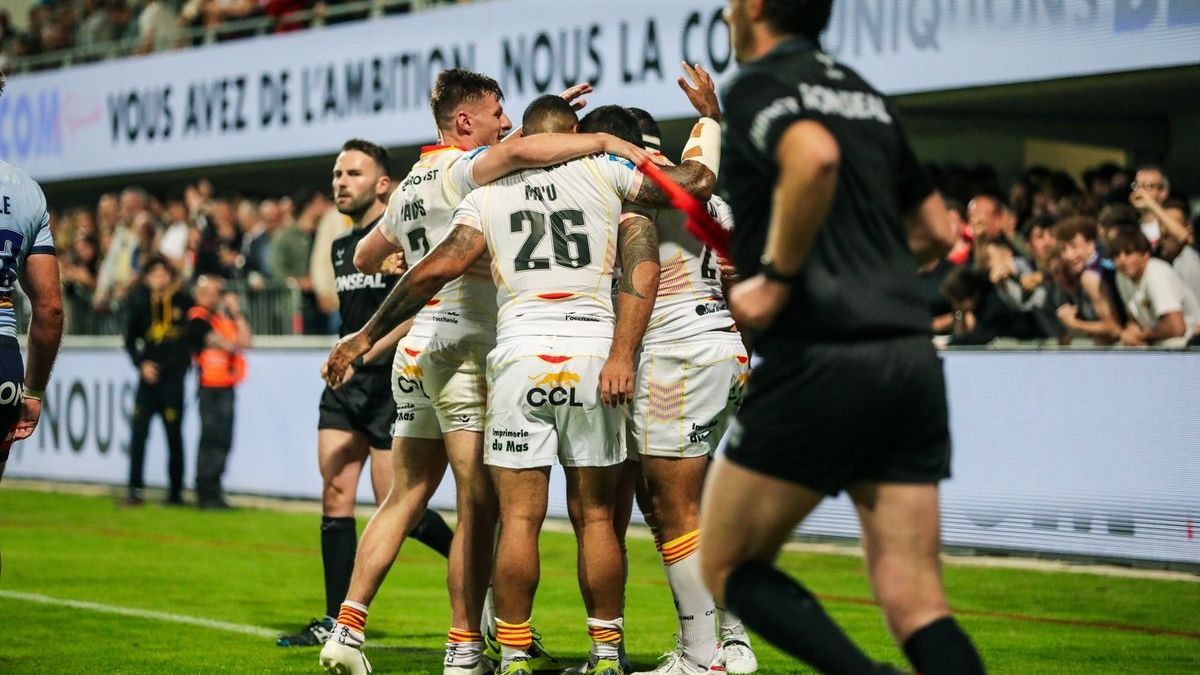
(453, 256)
(637, 249)
(692, 176)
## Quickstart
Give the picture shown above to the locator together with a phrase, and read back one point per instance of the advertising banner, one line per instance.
(1067, 453)
(304, 93)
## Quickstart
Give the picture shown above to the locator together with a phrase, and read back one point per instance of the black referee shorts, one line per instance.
(363, 404)
(826, 415)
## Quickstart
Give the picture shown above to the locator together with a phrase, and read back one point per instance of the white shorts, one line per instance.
(439, 386)
(544, 405)
(685, 395)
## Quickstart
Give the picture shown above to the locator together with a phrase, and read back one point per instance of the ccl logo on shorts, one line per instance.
(11, 393)
(408, 380)
(553, 388)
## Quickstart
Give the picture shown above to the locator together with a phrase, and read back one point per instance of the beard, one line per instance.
(357, 207)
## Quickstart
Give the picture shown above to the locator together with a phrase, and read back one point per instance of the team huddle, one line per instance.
(557, 316)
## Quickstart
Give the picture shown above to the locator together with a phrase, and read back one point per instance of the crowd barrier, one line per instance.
(1064, 453)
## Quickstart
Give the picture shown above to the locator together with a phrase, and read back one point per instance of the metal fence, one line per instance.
(225, 31)
(274, 310)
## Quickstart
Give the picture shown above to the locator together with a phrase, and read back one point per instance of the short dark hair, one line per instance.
(158, 261)
(1118, 215)
(798, 17)
(548, 114)
(1130, 240)
(963, 283)
(1177, 203)
(375, 152)
(1039, 223)
(1068, 228)
(615, 120)
(456, 86)
(651, 132)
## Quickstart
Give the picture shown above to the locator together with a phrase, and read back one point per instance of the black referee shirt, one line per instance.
(359, 295)
(859, 280)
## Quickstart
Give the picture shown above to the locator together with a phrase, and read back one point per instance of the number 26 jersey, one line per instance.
(552, 236)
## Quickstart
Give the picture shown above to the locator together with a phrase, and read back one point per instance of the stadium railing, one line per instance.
(273, 310)
(226, 30)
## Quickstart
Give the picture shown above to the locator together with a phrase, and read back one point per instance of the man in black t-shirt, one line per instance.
(156, 339)
(833, 217)
(356, 418)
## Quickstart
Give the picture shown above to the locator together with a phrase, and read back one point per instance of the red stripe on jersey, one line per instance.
(411, 352)
(433, 303)
(554, 359)
(555, 296)
(426, 149)
(742, 359)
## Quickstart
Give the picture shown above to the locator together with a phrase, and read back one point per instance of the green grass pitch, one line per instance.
(262, 568)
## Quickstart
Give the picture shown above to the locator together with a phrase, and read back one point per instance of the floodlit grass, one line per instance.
(263, 568)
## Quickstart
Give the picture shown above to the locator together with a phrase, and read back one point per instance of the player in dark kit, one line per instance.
(833, 216)
(356, 419)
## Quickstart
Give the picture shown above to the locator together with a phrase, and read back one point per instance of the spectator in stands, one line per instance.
(330, 225)
(118, 270)
(219, 333)
(173, 244)
(1177, 245)
(1092, 312)
(158, 27)
(957, 216)
(291, 257)
(990, 218)
(1149, 190)
(156, 339)
(1111, 219)
(256, 243)
(220, 240)
(1162, 310)
(97, 26)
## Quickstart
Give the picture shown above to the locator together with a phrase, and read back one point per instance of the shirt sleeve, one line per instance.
(43, 238)
(389, 225)
(721, 212)
(1162, 290)
(198, 330)
(758, 108)
(460, 177)
(620, 174)
(468, 213)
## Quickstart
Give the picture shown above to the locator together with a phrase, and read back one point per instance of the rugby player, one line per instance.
(439, 368)
(834, 215)
(356, 419)
(689, 383)
(27, 256)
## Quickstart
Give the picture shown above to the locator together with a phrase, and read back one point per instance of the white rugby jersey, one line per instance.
(24, 229)
(552, 236)
(690, 300)
(417, 218)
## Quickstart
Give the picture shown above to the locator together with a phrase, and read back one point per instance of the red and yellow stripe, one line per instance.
(514, 635)
(352, 618)
(600, 634)
(678, 549)
(458, 635)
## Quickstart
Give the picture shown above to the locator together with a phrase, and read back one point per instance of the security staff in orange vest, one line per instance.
(219, 333)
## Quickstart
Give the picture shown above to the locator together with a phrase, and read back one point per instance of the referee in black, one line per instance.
(356, 419)
(834, 215)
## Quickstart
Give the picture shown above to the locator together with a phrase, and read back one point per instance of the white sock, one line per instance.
(693, 602)
(731, 626)
(508, 654)
(463, 654)
(489, 613)
(347, 636)
(604, 646)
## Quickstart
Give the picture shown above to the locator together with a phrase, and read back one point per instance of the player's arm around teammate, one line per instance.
(498, 161)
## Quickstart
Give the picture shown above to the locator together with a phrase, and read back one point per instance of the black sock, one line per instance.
(789, 617)
(942, 648)
(339, 542)
(433, 532)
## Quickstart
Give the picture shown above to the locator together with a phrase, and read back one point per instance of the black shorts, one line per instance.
(825, 415)
(12, 388)
(364, 404)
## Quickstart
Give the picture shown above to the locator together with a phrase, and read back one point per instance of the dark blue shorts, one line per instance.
(12, 389)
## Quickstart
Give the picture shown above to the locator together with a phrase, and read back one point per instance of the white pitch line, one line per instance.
(256, 631)
(243, 629)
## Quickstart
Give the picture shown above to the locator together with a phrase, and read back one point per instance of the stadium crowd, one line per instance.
(156, 25)
(1038, 261)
